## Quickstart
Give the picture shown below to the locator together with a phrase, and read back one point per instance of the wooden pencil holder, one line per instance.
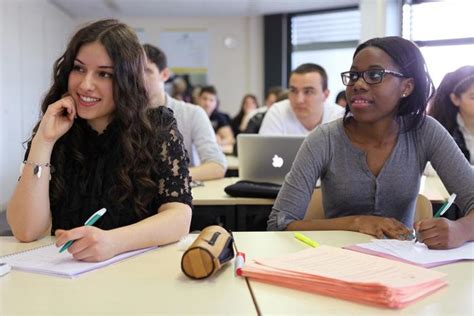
(212, 248)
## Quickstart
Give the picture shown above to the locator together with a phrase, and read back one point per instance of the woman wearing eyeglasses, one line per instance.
(371, 161)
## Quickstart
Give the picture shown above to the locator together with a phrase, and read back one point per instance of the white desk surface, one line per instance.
(151, 284)
(232, 162)
(433, 189)
(212, 193)
(454, 299)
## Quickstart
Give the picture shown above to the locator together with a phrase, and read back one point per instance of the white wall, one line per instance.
(233, 71)
(33, 33)
(379, 18)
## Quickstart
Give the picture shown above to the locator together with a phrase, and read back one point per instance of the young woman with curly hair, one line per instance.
(99, 145)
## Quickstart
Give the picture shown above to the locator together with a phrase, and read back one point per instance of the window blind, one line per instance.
(441, 20)
(325, 30)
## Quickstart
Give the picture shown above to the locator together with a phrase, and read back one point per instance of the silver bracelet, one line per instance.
(37, 168)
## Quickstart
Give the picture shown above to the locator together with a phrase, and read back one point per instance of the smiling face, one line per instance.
(376, 102)
(91, 85)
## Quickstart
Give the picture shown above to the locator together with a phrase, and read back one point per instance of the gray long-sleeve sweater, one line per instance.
(349, 187)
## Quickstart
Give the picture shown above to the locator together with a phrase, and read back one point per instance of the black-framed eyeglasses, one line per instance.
(371, 76)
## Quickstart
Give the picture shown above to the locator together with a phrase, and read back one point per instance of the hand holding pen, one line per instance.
(439, 232)
(87, 243)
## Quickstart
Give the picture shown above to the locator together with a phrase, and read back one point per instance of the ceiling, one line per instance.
(191, 8)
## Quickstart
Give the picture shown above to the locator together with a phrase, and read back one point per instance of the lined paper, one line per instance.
(349, 275)
(415, 253)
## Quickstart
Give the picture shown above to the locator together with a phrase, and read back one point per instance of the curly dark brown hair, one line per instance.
(137, 138)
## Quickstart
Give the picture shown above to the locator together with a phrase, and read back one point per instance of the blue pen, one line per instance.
(90, 221)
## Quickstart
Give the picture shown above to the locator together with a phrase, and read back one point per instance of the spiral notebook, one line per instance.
(48, 260)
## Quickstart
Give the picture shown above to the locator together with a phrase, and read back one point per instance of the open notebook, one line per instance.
(415, 253)
(48, 260)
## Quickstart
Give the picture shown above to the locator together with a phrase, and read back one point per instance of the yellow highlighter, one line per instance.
(306, 240)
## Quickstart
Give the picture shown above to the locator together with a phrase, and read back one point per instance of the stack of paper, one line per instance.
(415, 253)
(348, 275)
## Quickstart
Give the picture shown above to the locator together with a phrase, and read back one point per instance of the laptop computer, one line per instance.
(266, 158)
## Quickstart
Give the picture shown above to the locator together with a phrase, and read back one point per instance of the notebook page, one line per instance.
(48, 260)
(350, 266)
(419, 253)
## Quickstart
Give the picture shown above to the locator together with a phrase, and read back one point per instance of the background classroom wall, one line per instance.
(34, 32)
(32, 35)
(234, 71)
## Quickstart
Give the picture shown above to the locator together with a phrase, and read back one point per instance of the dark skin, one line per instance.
(373, 129)
(442, 233)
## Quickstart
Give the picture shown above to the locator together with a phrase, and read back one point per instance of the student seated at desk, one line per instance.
(371, 161)
(453, 107)
(306, 106)
(207, 161)
(220, 121)
(108, 149)
(248, 106)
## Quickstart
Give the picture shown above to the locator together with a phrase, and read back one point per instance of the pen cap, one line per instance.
(212, 248)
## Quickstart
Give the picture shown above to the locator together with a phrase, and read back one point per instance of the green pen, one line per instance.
(90, 221)
(445, 206)
(442, 209)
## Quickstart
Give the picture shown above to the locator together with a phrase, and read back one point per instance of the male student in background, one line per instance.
(306, 106)
(206, 160)
(220, 121)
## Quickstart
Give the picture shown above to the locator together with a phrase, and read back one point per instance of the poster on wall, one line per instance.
(187, 52)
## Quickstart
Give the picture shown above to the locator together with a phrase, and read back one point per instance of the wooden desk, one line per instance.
(455, 299)
(148, 284)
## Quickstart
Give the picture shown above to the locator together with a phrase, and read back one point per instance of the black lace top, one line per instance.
(88, 184)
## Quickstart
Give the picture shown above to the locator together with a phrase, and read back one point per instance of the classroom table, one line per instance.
(212, 193)
(148, 284)
(213, 206)
(232, 163)
(454, 299)
(152, 283)
(242, 213)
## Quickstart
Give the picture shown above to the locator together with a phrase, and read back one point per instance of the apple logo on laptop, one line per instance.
(277, 161)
